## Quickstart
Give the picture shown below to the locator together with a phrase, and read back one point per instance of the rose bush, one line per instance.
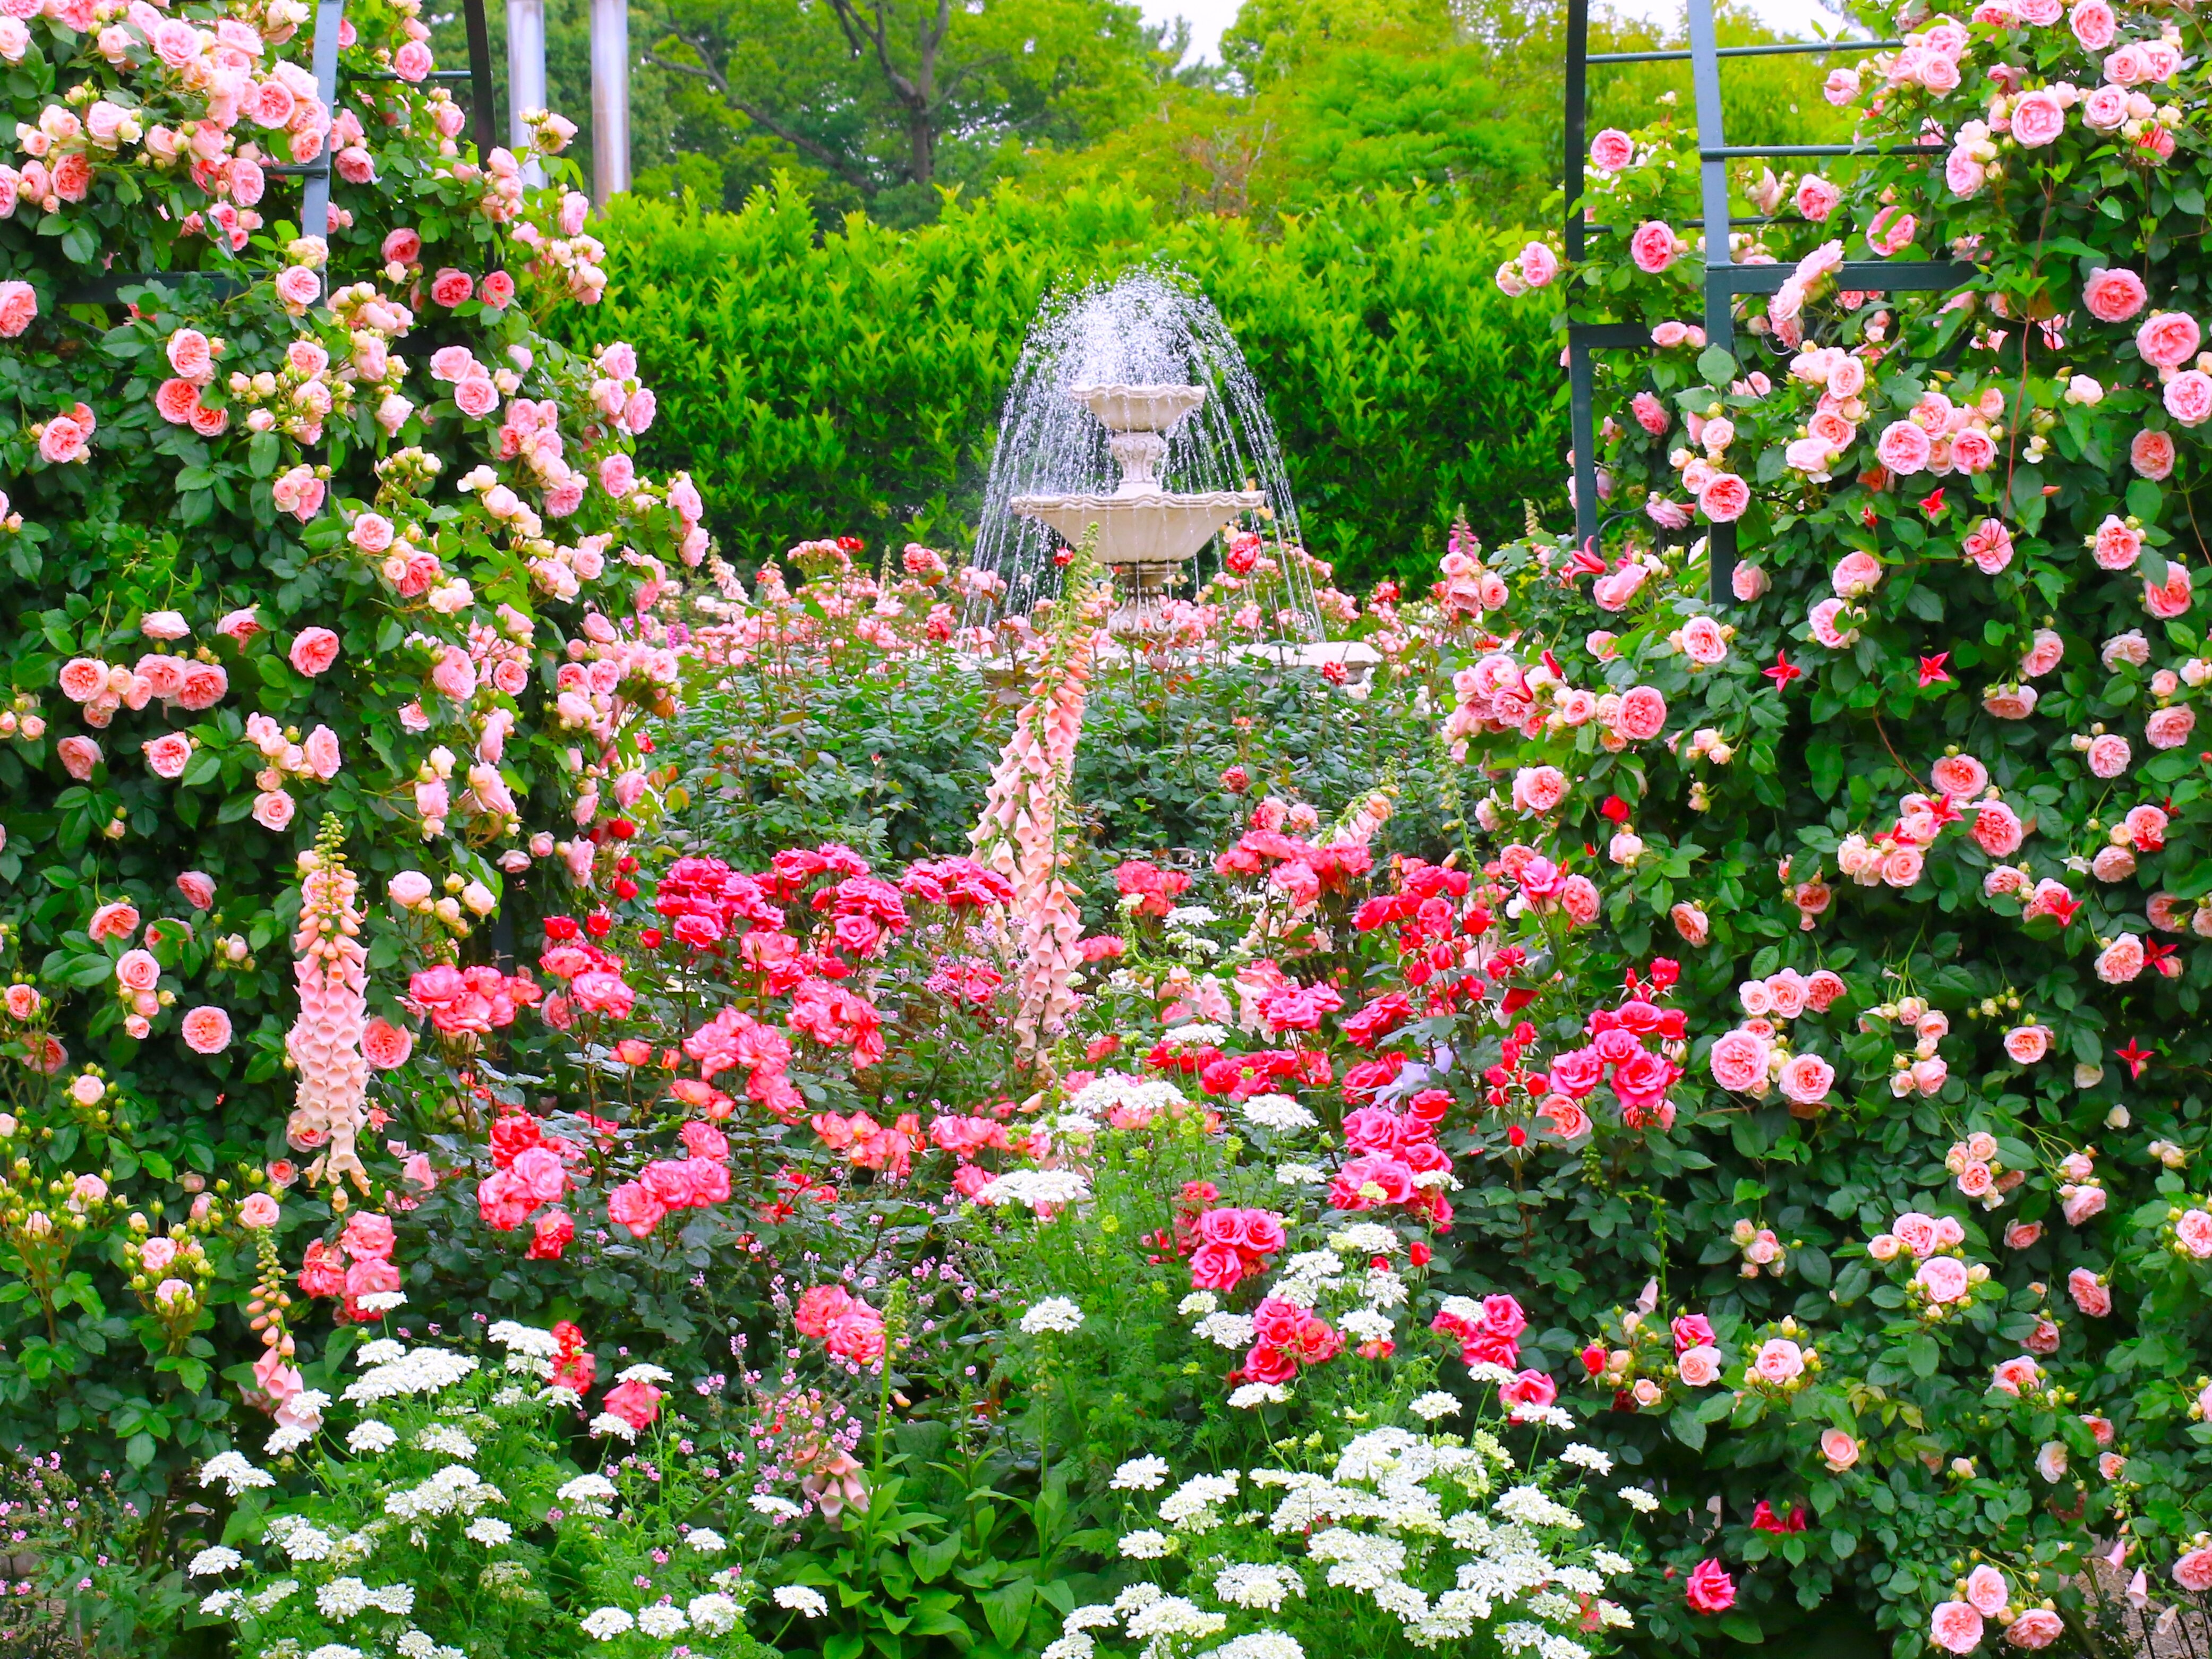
(300, 520)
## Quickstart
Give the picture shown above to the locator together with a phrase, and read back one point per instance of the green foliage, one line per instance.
(851, 383)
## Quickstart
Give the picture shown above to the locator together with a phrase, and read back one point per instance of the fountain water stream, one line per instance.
(1131, 408)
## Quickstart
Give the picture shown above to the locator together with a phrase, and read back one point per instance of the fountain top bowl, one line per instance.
(1123, 408)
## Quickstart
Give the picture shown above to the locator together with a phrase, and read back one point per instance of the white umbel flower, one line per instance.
(660, 1621)
(1435, 1404)
(1056, 1315)
(1140, 1475)
(234, 1472)
(220, 1558)
(801, 1599)
(605, 1624)
(368, 1437)
(488, 1530)
(713, 1614)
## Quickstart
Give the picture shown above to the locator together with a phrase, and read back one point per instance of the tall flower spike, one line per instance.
(1018, 834)
(324, 1041)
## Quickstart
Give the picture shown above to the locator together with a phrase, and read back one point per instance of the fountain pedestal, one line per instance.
(1144, 532)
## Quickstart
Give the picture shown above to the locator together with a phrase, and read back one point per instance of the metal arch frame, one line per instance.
(315, 200)
(1724, 279)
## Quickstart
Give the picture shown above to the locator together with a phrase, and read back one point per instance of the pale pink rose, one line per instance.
(2038, 1627)
(2193, 1233)
(2022, 1233)
(2045, 651)
(116, 920)
(1738, 1061)
(1539, 788)
(2026, 1044)
(1816, 198)
(314, 650)
(1650, 414)
(322, 752)
(2082, 1204)
(2016, 1375)
(1915, 1232)
(1987, 1591)
(1654, 247)
(1904, 448)
(2175, 597)
(385, 1045)
(2094, 1298)
(2108, 755)
(1977, 1179)
(412, 61)
(197, 888)
(1780, 1360)
(1942, 1278)
(273, 808)
(1612, 150)
(476, 396)
(2193, 1572)
(1839, 1449)
(1806, 1078)
(1857, 572)
(2151, 454)
(64, 440)
(1699, 1367)
(371, 533)
(78, 756)
(83, 678)
(206, 1031)
(167, 755)
(2169, 728)
(19, 304)
(2105, 109)
(1579, 898)
(1961, 776)
(2037, 119)
(2114, 296)
(2188, 397)
(137, 971)
(1901, 867)
(455, 675)
(1972, 451)
(1642, 715)
(1822, 620)
(2167, 339)
(2051, 1460)
(1691, 923)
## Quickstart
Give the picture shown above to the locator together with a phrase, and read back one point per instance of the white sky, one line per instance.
(1208, 18)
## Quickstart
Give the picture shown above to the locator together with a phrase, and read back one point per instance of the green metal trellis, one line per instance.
(1724, 279)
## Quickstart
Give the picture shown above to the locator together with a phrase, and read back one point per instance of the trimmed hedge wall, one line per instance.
(851, 383)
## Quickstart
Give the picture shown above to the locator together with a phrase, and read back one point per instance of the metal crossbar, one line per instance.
(315, 199)
(1724, 279)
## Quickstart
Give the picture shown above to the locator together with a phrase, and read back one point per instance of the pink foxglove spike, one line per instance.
(2139, 1590)
(2119, 1551)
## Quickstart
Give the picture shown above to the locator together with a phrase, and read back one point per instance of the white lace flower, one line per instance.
(1147, 1544)
(1366, 1324)
(1364, 1238)
(1260, 1645)
(1280, 1114)
(219, 1603)
(1638, 1499)
(1534, 1508)
(1298, 1175)
(1197, 1497)
(1055, 1314)
(381, 1351)
(414, 1371)
(1587, 1457)
(776, 1509)
(525, 1338)
(298, 1537)
(644, 1374)
(1610, 1564)
(1435, 1404)
(263, 1599)
(1034, 1187)
(369, 1437)
(334, 1650)
(381, 1302)
(1094, 1616)
(1140, 1475)
(660, 1620)
(342, 1598)
(801, 1599)
(1249, 1394)
(713, 1614)
(219, 1558)
(1073, 1645)
(1225, 1330)
(1249, 1584)
(605, 1624)
(1198, 1303)
(588, 1494)
(706, 1541)
(447, 1441)
(606, 1423)
(234, 1472)
(1171, 1615)
(488, 1530)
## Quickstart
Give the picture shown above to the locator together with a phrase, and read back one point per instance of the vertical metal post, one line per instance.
(1577, 121)
(1720, 301)
(485, 115)
(1581, 425)
(315, 198)
(609, 98)
(525, 73)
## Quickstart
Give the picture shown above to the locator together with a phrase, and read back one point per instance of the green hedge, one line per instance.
(851, 383)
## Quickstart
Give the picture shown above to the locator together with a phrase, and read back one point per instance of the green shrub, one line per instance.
(851, 383)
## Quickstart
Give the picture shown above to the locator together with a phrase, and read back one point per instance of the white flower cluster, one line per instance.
(395, 1371)
(1034, 1187)
(588, 1494)
(1279, 1113)
(457, 1489)
(1056, 1315)
(1112, 1090)
(1447, 1534)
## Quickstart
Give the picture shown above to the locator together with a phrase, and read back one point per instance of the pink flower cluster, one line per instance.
(841, 1323)
(1234, 1245)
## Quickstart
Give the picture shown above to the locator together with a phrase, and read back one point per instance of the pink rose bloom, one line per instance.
(1539, 788)
(78, 757)
(2193, 1233)
(2037, 119)
(2094, 24)
(314, 650)
(2094, 1298)
(137, 971)
(1642, 715)
(385, 1045)
(1839, 1449)
(2114, 296)
(1654, 247)
(1998, 829)
(1816, 198)
(2038, 1627)
(1612, 150)
(1539, 265)
(258, 1211)
(1956, 1627)
(451, 287)
(1902, 448)
(2193, 1572)
(1724, 498)
(2188, 397)
(2022, 1233)
(19, 304)
(402, 247)
(1709, 1589)
(636, 1403)
(1650, 414)
(2167, 339)
(116, 920)
(1901, 867)
(1691, 923)
(1699, 1367)
(2169, 728)
(273, 808)
(2026, 1044)
(1942, 1278)
(2108, 755)
(1986, 1590)
(2082, 1204)
(206, 1031)
(1806, 1078)
(1972, 451)
(2016, 1376)
(2151, 454)
(504, 1201)
(2175, 597)
(1961, 776)
(167, 755)
(1780, 1360)
(632, 1206)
